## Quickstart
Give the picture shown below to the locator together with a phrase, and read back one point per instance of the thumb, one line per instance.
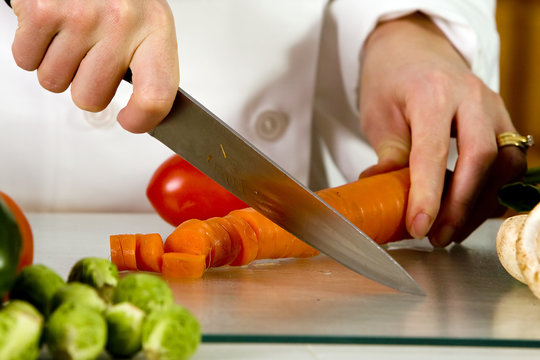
(392, 153)
(155, 82)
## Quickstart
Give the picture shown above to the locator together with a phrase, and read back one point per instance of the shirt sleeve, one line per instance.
(468, 24)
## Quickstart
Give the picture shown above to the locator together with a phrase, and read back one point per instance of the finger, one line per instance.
(510, 166)
(477, 153)
(155, 83)
(61, 61)
(388, 134)
(431, 116)
(98, 76)
(37, 26)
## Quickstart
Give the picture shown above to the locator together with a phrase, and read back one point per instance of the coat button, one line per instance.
(103, 119)
(271, 124)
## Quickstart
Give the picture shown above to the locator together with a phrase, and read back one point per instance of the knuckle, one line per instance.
(436, 85)
(121, 13)
(81, 19)
(155, 102)
(482, 154)
(438, 151)
(478, 91)
(457, 218)
(514, 162)
(42, 13)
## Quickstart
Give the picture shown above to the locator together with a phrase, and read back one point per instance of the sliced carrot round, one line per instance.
(183, 266)
(149, 252)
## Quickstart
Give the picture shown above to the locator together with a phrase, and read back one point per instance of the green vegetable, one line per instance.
(21, 326)
(76, 332)
(124, 329)
(146, 291)
(37, 284)
(170, 333)
(98, 273)
(522, 196)
(80, 293)
(10, 248)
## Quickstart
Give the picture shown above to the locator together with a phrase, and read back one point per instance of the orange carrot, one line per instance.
(182, 265)
(149, 252)
(117, 257)
(195, 236)
(273, 241)
(243, 240)
(221, 247)
(128, 247)
(375, 204)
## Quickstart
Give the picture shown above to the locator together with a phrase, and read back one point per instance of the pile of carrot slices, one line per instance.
(375, 204)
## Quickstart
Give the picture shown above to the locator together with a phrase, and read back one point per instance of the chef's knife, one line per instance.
(209, 144)
(213, 147)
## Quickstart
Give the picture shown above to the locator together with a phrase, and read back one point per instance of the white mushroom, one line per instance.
(528, 250)
(506, 244)
(518, 248)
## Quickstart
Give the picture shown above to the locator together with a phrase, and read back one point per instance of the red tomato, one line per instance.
(178, 192)
(27, 251)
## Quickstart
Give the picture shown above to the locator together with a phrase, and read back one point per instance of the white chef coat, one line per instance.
(284, 73)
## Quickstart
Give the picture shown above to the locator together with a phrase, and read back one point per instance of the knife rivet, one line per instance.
(103, 119)
(271, 124)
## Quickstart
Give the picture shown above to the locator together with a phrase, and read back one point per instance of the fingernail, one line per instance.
(444, 236)
(420, 225)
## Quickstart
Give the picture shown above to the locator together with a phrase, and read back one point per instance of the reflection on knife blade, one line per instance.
(217, 150)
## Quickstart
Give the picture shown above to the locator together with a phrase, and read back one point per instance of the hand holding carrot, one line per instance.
(418, 92)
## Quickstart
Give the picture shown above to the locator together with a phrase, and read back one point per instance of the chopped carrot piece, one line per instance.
(221, 252)
(273, 241)
(128, 246)
(243, 239)
(182, 265)
(117, 257)
(149, 252)
(191, 237)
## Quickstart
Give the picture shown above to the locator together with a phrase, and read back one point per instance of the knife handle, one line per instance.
(128, 76)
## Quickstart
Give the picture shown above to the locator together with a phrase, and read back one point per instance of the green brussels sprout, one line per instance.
(80, 293)
(37, 285)
(75, 332)
(170, 333)
(146, 291)
(99, 273)
(124, 329)
(21, 326)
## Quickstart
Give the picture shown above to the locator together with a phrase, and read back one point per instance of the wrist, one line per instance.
(415, 31)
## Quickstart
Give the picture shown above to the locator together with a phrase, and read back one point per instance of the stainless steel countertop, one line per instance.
(470, 299)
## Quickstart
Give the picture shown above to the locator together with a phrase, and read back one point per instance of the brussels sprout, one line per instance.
(124, 329)
(146, 291)
(37, 285)
(20, 331)
(75, 332)
(170, 333)
(80, 293)
(97, 272)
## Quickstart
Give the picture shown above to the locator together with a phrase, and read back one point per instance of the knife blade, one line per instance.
(209, 144)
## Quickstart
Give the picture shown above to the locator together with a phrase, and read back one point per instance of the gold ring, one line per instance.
(513, 139)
